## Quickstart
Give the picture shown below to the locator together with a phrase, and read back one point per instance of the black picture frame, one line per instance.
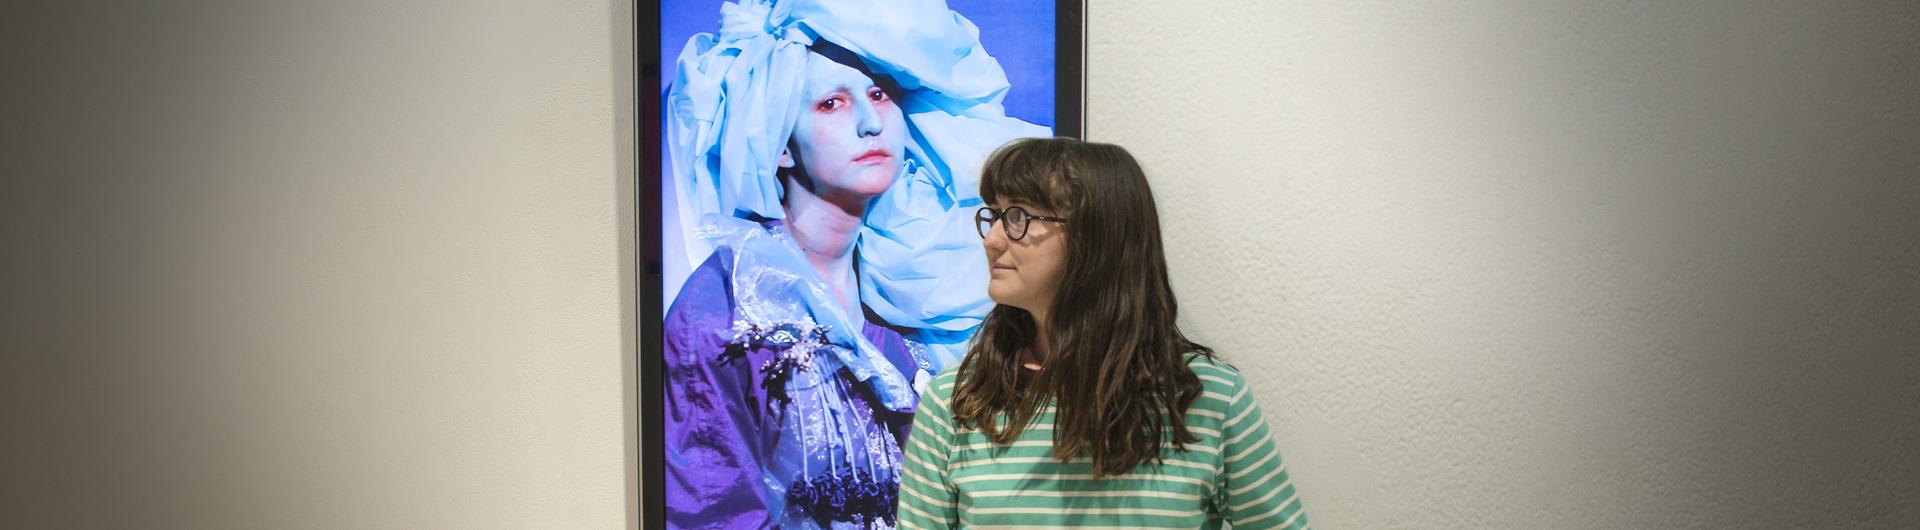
(1069, 121)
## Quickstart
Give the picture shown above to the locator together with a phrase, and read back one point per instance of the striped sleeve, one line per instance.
(1254, 490)
(927, 498)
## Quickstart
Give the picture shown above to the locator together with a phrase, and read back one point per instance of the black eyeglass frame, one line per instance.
(982, 222)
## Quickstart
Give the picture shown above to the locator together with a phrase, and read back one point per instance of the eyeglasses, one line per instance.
(1013, 218)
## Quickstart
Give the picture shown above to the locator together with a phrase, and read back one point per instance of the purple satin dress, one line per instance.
(763, 429)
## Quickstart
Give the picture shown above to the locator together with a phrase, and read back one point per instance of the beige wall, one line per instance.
(316, 265)
(1521, 265)
(1493, 264)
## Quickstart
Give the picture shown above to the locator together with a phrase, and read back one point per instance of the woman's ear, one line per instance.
(786, 157)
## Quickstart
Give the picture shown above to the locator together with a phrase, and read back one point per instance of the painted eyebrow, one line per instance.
(841, 88)
(822, 98)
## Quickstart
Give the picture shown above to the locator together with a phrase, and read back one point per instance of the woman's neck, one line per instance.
(826, 232)
(1035, 357)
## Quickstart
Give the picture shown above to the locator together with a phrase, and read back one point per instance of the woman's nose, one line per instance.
(996, 239)
(867, 117)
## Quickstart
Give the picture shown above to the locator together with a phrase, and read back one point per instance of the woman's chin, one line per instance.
(867, 182)
(871, 176)
(1001, 295)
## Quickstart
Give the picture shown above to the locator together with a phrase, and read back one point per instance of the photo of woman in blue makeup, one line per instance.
(824, 163)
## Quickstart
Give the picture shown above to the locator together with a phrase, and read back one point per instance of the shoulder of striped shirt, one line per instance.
(940, 389)
(1216, 374)
(946, 379)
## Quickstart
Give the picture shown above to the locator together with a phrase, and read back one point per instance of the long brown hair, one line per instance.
(1117, 368)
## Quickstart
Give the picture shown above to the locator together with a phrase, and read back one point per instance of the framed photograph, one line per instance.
(808, 253)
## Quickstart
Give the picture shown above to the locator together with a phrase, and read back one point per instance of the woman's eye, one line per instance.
(877, 95)
(831, 103)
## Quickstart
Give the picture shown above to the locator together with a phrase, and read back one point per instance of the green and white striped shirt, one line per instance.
(964, 480)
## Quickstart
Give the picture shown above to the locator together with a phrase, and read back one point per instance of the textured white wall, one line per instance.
(1547, 264)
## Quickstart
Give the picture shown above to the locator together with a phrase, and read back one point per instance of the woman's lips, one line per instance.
(873, 157)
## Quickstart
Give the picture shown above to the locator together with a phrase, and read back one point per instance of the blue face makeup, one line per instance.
(851, 135)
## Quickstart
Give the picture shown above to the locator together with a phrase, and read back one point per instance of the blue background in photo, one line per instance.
(1018, 33)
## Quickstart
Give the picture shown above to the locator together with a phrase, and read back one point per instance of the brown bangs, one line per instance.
(1031, 171)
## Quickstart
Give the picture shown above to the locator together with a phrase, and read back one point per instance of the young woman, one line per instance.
(1080, 403)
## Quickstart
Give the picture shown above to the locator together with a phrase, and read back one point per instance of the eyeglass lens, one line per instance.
(1014, 220)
